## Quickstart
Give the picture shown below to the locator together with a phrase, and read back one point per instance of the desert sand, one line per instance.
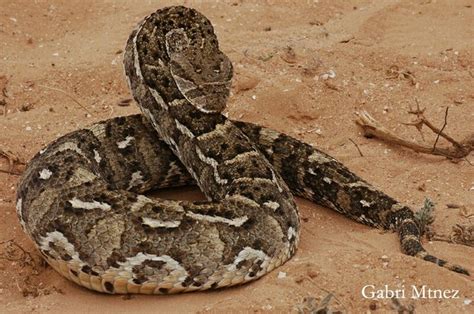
(301, 67)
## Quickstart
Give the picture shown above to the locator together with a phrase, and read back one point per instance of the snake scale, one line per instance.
(81, 197)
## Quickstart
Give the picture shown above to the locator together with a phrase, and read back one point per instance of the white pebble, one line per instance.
(329, 74)
(281, 275)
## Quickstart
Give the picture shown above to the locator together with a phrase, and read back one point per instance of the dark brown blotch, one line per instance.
(88, 270)
(109, 287)
(244, 263)
(66, 257)
(154, 264)
(139, 280)
(187, 281)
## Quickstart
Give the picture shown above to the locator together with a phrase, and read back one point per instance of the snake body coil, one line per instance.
(81, 198)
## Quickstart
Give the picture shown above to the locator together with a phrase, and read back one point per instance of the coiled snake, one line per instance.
(81, 198)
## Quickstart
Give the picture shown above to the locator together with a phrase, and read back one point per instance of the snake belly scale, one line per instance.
(81, 198)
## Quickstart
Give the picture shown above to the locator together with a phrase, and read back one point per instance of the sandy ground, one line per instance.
(303, 68)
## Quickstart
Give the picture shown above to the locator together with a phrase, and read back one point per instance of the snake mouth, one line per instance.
(209, 98)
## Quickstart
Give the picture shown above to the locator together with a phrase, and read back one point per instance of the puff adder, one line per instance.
(81, 198)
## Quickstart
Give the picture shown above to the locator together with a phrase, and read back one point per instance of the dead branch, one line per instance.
(421, 120)
(458, 150)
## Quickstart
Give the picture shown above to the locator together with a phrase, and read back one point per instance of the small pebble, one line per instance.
(328, 75)
(373, 306)
(281, 275)
(313, 274)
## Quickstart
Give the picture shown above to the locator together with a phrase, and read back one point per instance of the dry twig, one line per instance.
(69, 96)
(402, 309)
(357, 146)
(458, 150)
(3, 90)
(14, 252)
(463, 234)
(12, 161)
(329, 295)
(310, 305)
(460, 234)
(11, 172)
(3, 104)
(29, 265)
(394, 72)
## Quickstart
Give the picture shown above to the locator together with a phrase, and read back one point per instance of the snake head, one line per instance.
(200, 70)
